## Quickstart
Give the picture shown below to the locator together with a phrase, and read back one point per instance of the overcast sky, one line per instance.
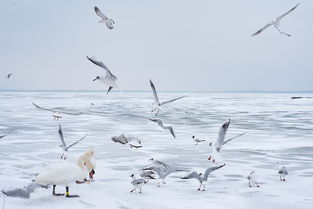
(194, 45)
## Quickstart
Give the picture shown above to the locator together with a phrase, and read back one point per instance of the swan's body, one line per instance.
(67, 172)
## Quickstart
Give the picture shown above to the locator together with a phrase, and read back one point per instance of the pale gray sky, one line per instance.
(195, 45)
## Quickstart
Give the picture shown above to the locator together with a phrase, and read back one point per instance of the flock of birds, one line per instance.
(76, 169)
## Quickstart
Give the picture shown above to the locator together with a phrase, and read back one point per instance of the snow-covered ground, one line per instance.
(278, 129)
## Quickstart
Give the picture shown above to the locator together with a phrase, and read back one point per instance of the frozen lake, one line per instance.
(278, 129)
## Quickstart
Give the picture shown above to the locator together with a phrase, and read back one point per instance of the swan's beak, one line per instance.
(91, 173)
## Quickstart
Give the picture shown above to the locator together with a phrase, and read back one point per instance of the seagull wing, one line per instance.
(170, 128)
(262, 29)
(156, 99)
(138, 181)
(100, 64)
(65, 148)
(221, 135)
(210, 170)
(100, 14)
(283, 15)
(77, 142)
(234, 137)
(6, 134)
(171, 100)
(42, 108)
(154, 120)
(193, 175)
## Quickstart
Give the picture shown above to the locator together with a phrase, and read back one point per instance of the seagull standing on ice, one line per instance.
(276, 23)
(157, 104)
(137, 182)
(64, 147)
(160, 124)
(202, 178)
(197, 140)
(216, 147)
(104, 19)
(283, 173)
(252, 179)
(109, 79)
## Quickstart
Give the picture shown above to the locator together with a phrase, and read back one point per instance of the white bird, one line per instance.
(67, 172)
(130, 140)
(2, 136)
(65, 148)
(9, 75)
(157, 104)
(276, 23)
(160, 124)
(162, 169)
(197, 140)
(109, 80)
(202, 178)
(252, 179)
(137, 182)
(104, 19)
(57, 111)
(283, 173)
(216, 147)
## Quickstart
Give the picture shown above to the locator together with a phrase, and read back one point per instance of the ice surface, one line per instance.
(278, 129)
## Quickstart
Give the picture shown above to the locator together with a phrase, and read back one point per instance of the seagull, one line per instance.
(104, 19)
(149, 174)
(276, 23)
(160, 124)
(137, 182)
(9, 75)
(2, 136)
(64, 147)
(252, 179)
(162, 169)
(202, 178)
(157, 104)
(196, 140)
(283, 173)
(158, 163)
(124, 140)
(216, 147)
(56, 112)
(109, 79)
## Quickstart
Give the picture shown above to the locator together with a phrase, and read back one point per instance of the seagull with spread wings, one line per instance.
(57, 111)
(202, 178)
(157, 104)
(65, 148)
(160, 124)
(276, 23)
(109, 79)
(104, 19)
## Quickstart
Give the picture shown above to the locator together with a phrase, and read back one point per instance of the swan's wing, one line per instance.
(192, 175)
(42, 108)
(210, 170)
(221, 134)
(234, 137)
(100, 14)
(156, 99)
(171, 100)
(262, 29)
(77, 142)
(65, 148)
(283, 15)
(100, 64)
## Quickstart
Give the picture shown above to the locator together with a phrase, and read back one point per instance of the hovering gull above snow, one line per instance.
(202, 178)
(124, 140)
(160, 124)
(276, 23)
(197, 140)
(2, 136)
(157, 104)
(104, 19)
(65, 148)
(137, 182)
(57, 112)
(252, 179)
(109, 79)
(221, 139)
(9, 75)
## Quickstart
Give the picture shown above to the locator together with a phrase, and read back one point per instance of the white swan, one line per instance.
(67, 172)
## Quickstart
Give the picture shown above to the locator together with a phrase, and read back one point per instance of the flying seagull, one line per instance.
(216, 147)
(202, 178)
(65, 148)
(157, 104)
(104, 19)
(276, 23)
(160, 124)
(124, 140)
(109, 79)
(56, 111)
(2, 136)
(9, 75)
